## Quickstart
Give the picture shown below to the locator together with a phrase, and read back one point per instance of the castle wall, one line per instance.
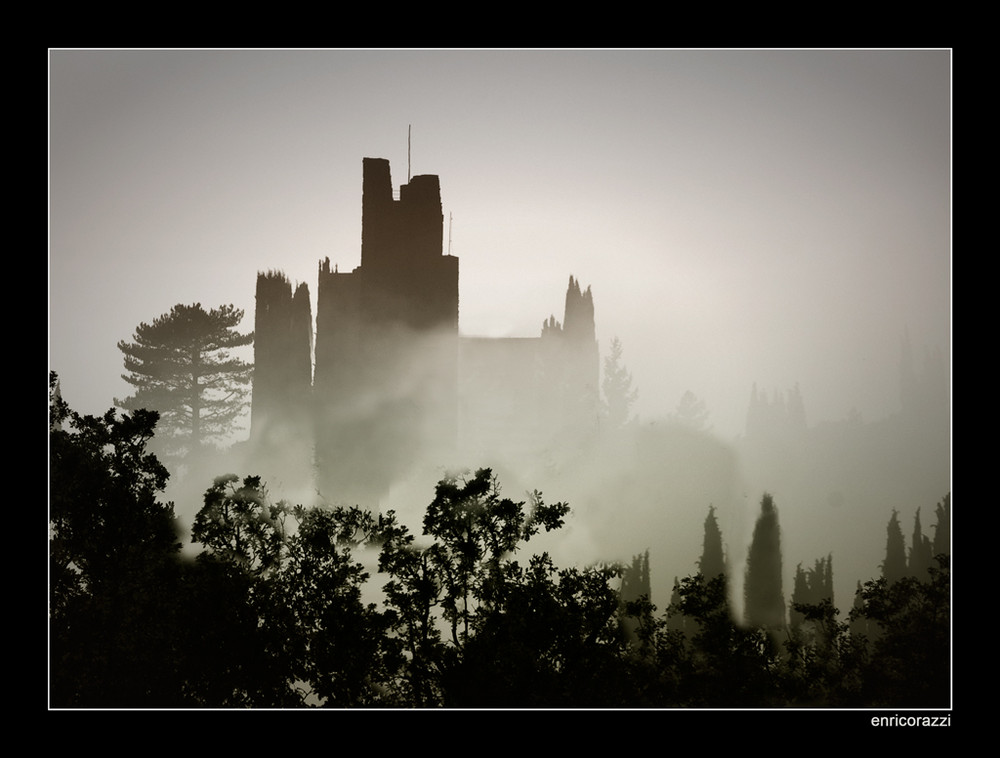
(395, 386)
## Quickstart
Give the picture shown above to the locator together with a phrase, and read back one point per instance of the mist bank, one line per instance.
(649, 485)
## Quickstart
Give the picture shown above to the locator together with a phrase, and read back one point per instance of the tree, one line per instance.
(619, 394)
(288, 618)
(721, 663)
(921, 555)
(635, 578)
(764, 601)
(479, 628)
(113, 571)
(942, 529)
(910, 661)
(635, 587)
(812, 587)
(894, 565)
(692, 413)
(182, 367)
(712, 562)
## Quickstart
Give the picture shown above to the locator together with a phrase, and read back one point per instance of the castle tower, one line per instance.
(282, 356)
(582, 365)
(386, 344)
(384, 396)
(282, 383)
(571, 364)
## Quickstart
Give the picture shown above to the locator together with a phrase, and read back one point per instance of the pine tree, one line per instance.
(764, 602)
(181, 366)
(619, 394)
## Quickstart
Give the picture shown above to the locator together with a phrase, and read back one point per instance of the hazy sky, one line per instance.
(776, 217)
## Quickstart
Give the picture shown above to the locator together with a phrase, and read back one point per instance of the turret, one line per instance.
(579, 319)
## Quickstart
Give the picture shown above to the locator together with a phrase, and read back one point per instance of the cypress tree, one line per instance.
(857, 620)
(635, 586)
(812, 586)
(828, 589)
(676, 620)
(800, 594)
(764, 601)
(942, 529)
(894, 565)
(635, 579)
(921, 554)
(712, 562)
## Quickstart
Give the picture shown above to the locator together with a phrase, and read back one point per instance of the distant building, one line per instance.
(394, 383)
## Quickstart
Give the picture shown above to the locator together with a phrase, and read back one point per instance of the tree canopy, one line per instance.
(182, 366)
(292, 606)
(112, 546)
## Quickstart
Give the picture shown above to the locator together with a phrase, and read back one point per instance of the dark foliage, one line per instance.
(112, 569)
(910, 662)
(894, 565)
(279, 609)
(812, 586)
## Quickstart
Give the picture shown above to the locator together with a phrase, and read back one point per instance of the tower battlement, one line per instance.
(394, 383)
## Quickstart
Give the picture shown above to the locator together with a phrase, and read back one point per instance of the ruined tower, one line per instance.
(386, 350)
(282, 382)
(282, 357)
(394, 385)
(579, 360)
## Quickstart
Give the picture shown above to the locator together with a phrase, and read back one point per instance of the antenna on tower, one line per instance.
(449, 232)
(408, 127)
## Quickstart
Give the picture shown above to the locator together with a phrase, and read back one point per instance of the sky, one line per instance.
(776, 217)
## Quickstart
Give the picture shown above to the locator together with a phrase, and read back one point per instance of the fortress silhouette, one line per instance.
(395, 385)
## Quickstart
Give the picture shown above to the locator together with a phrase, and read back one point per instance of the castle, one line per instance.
(394, 383)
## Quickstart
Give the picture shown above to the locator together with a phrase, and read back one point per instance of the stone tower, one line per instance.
(281, 407)
(394, 386)
(386, 344)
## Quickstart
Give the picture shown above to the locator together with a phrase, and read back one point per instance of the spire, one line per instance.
(579, 318)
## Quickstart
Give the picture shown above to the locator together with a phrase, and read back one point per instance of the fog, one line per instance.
(772, 222)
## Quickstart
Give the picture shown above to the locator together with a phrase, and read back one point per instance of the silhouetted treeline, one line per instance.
(280, 609)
